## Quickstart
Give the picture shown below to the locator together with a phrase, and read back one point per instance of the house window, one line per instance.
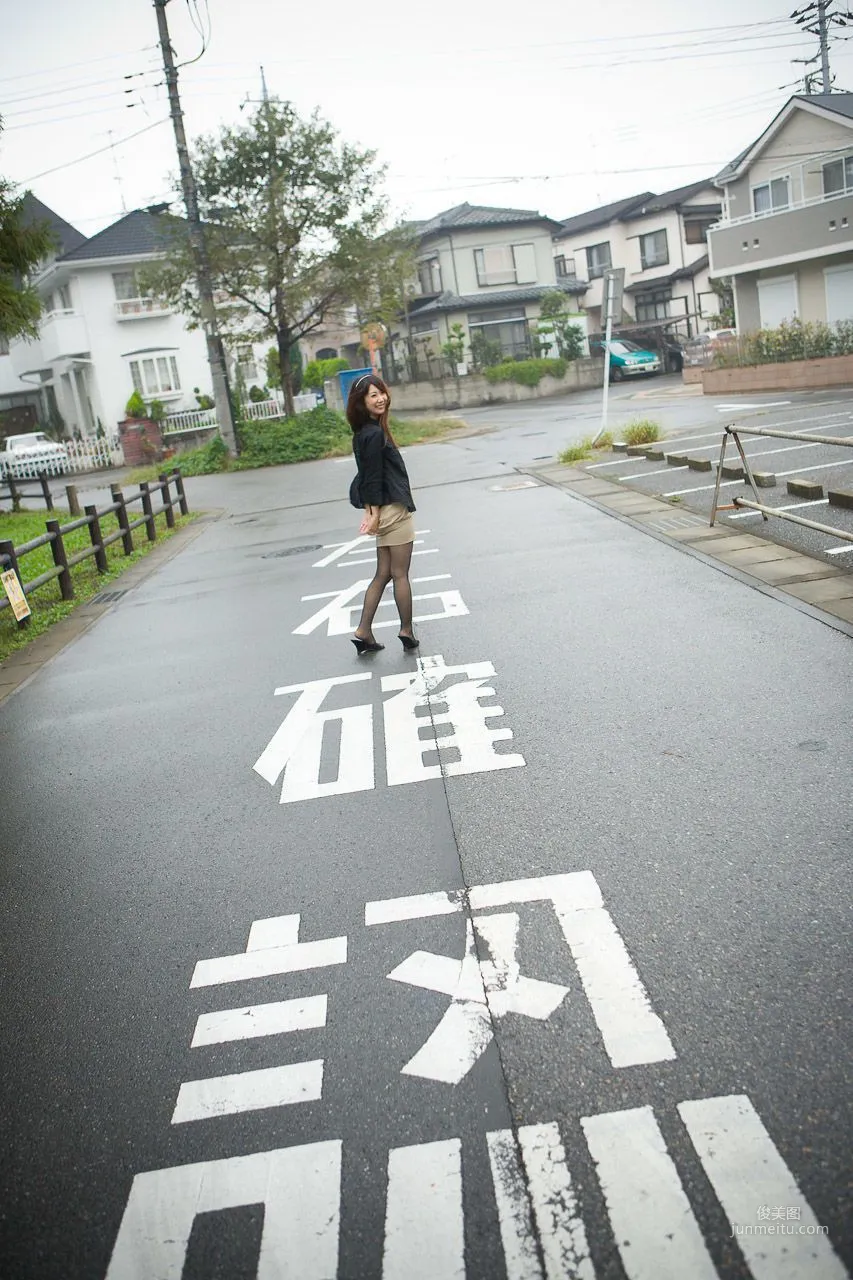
(696, 231)
(598, 259)
(423, 326)
(429, 275)
(504, 330)
(771, 195)
(155, 375)
(654, 250)
(495, 265)
(246, 361)
(564, 266)
(653, 305)
(838, 176)
(127, 286)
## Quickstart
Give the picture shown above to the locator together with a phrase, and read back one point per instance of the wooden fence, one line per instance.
(11, 488)
(63, 563)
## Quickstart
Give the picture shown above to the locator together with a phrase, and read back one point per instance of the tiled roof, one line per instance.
(136, 234)
(668, 200)
(500, 298)
(478, 215)
(601, 216)
(66, 236)
(683, 273)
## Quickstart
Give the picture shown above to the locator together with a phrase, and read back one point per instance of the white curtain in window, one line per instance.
(777, 300)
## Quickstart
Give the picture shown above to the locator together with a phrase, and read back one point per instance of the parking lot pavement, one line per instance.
(778, 461)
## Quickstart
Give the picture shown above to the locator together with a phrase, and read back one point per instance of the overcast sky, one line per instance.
(557, 105)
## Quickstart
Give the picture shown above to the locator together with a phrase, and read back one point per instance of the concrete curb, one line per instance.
(800, 581)
(20, 667)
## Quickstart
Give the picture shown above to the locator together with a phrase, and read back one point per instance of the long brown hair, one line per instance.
(357, 412)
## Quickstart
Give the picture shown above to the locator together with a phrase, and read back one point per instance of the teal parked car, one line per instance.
(627, 360)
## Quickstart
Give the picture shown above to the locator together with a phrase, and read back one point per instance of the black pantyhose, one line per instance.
(392, 565)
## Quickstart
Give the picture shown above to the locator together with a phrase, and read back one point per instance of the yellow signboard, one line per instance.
(16, 596)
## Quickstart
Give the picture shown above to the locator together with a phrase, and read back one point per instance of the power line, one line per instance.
(81, 115)
(56, 90)
(69, 66)
(79, 160)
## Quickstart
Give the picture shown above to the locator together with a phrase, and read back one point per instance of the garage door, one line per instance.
(777, 300)
(839, 293)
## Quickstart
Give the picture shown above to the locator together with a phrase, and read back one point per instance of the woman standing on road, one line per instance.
(382, 489)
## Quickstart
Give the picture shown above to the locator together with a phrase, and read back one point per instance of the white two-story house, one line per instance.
(22, 399)
(485, 269)
(786, 238)
(661, 243)
(101, 337)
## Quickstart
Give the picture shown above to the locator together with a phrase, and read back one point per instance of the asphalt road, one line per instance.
(568, 991)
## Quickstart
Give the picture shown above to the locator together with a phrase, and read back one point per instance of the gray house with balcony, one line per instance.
(786, 237)
(487, 270)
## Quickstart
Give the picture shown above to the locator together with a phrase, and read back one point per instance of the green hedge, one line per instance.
(527, 372)
(792, 340)
(314, 434)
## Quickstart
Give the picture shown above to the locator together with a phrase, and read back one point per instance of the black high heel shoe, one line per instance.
(366, 646)
(409, 642)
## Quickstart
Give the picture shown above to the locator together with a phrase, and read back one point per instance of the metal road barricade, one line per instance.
(734, 433)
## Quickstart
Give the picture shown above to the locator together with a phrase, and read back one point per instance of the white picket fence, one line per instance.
(94, 452)
(263, 410)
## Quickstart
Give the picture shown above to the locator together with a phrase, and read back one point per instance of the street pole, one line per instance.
(608, 334)
(215, 349)
(824, 45)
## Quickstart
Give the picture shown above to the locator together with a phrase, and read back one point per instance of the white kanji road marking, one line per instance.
(296, 748)
(465, 716)
(631, 1030)
(340, 615)
(478, 993)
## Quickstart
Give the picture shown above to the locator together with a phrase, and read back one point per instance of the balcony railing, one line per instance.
(785, 208)
(136, 308)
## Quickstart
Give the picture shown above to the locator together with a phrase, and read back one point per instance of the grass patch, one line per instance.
(319, 433)
(583, 450)
(46, 603)
(641, 431)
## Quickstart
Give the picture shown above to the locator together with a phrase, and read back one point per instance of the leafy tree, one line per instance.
(23, 244)
(292, 216)
(273, 368)
(555, 325)
(318, 371)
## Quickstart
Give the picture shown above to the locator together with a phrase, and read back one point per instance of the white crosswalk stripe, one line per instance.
(539, 1206)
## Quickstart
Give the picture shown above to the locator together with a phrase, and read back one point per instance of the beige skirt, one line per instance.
(396, 526)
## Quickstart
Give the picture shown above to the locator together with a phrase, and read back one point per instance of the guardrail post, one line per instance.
(73, 499)
(123, 519)
(14, 495)
(150, 526)
(167, 501)
(60, 559)
(97, 540)
(182, 497)
(45, 488)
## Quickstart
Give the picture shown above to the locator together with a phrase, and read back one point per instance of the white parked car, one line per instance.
(23, 457)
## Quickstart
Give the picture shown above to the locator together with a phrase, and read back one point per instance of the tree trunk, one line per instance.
(284, 343)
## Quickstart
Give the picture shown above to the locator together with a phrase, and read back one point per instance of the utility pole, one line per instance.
(215, 349)
(818, 18)
(824, 45)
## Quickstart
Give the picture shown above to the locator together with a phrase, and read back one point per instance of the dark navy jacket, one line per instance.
(382, 477)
